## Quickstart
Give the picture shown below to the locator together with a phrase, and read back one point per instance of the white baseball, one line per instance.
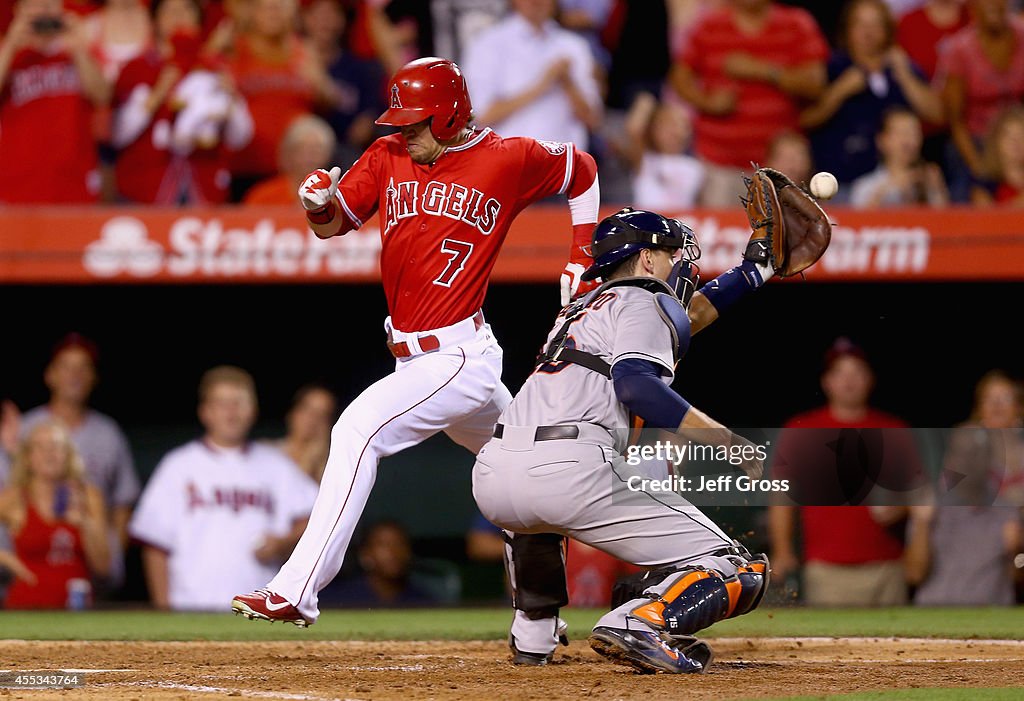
(824, 185)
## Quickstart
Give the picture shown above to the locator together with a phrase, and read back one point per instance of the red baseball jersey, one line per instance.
(443, 224)
(47, 150)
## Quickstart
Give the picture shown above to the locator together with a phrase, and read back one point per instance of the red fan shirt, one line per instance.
(443, 224)
(277, 93)
(845, 535)
(147, 171)
(791, 38)
(46, 142)
(53, 552)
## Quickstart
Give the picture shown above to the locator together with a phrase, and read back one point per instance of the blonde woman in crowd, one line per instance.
(56, 521)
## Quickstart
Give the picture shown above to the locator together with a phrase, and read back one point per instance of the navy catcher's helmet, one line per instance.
(629, 230)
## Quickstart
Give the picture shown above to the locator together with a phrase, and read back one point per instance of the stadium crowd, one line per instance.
(188, 102)
(178, 102)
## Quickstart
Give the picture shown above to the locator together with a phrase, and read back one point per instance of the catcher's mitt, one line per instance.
(790, 229)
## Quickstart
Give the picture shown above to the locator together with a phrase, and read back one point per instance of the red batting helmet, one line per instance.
(425, 88)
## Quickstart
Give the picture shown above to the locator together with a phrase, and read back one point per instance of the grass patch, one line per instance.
(492, 624)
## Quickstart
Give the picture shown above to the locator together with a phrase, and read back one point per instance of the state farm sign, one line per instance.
(854, 249)
(206, 247)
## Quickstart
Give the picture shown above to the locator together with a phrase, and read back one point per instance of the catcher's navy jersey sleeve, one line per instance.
(639, 386)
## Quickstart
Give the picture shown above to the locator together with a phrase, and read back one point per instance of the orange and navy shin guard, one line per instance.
(695, 597)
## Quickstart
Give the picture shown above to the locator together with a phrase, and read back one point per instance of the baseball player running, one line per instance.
(554, 465)
(446, 195)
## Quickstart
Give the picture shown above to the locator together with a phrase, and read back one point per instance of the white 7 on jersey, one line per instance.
(459, 252)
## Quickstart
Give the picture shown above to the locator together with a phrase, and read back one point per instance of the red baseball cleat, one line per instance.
(267, 606)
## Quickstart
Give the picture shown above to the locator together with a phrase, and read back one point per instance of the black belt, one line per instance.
(546, 433)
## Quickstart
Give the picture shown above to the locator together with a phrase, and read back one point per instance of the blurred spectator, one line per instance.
(902, 178)
(746, 68)
(10, 427)
(990, 445)
(79, 7)
(308, 439)
(868, 75)
(386, 559)
(639, 46)
(1003, 161)
(393, 32)
(981, 73)
(920, 31)
(898, 8)
(281, 80)
(850, 556)
(49, 84)
(587, 18)
(665, 178)
(456, 22)
(789, 152)
(961, 551)
(963, 555)
(485, 542)
(118, 32)
(591, 574)
(220, 514)
(176, 117)
(530, 77)
(360, 82)
(71, 377)
(308, 144)
(56, 520)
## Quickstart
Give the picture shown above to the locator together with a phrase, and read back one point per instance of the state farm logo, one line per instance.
(864, 249)
(198, 247)
(124, 246)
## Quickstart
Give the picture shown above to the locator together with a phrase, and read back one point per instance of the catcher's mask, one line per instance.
(684, 277)
(629, 230)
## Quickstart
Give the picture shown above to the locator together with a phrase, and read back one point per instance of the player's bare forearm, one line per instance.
(587, 113)
(917, 554)
(701, 428)
(701, 312)
(965, 145)
(924, 101)
(328, 230)
(807, 81)
(95, 534)
(154, 562)
(823, 110)
(684, 82)
(13, 563)
(120, 516)
(781, 531)
(290, 538)
(7, 51)
(94, 85)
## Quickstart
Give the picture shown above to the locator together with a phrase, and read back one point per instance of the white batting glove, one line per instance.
(317, 190)
(570, 281)
(571, 284)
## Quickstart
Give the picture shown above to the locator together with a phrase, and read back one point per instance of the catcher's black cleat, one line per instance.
(648, 652)
(530, 659)
(536, 659)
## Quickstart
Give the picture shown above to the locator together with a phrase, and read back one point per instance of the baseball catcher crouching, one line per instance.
(555, 468)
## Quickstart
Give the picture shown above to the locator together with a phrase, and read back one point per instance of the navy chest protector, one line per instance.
(562, 350)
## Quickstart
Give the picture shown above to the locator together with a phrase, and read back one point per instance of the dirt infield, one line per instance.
(316, 671)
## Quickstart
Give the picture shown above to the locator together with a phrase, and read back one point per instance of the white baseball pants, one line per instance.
(456, 389)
